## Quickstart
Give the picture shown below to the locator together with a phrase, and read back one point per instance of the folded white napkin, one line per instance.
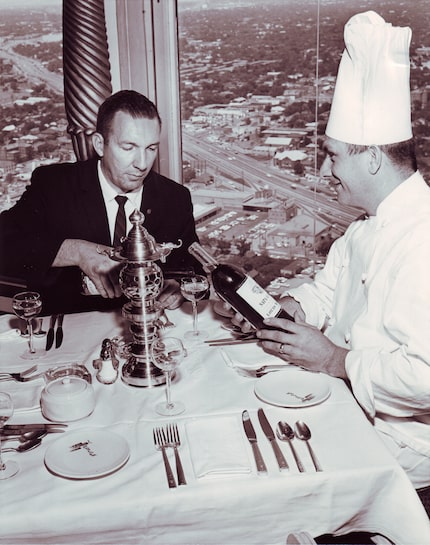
(249, 356)
(217, 447)
(25, 395)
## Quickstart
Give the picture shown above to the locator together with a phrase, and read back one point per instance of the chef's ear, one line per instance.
(375, 158)
(98, 143)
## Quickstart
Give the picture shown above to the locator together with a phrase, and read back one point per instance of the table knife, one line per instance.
(18, 429)
(252, 438)
(268, 431)
(59, 333)
(50, 334)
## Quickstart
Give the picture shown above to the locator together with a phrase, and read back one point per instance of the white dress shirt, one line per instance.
(374, 293)
(134, 200)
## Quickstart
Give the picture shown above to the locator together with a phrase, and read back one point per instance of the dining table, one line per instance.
(225, 500)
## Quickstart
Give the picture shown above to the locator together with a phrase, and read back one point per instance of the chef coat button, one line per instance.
(363, 278)
(347, 337)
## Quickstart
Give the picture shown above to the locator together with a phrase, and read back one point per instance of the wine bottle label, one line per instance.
(258, 298)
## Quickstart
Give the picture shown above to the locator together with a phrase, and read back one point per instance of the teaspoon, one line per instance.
(285, 433)
(23, 447)
(304, 433)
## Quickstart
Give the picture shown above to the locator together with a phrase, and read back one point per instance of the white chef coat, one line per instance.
(374, 294)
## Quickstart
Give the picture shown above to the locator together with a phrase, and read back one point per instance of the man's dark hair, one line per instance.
(131, 102)
(402, 154)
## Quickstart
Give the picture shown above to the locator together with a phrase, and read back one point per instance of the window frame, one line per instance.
(149, 65)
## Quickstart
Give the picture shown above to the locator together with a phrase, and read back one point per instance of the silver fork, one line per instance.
(160, 442)
(22, 376)
(251, 372)
(256, 373)
(174, 441)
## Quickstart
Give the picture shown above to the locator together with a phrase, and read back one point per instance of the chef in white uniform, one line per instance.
(366, 316)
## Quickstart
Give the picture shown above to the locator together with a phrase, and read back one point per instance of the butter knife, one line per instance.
(268, 431)
(19, 429)
(252, 438)
(50, 334)
(59, 333)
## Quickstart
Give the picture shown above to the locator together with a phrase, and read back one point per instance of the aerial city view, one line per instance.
(254, 104)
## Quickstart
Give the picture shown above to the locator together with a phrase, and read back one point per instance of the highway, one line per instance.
(219, 160)
(258, 175)
(31, 69)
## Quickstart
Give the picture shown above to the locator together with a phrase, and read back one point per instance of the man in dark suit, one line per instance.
(58, 230)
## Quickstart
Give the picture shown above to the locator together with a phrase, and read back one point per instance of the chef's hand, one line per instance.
(290, 305)
(303, 345)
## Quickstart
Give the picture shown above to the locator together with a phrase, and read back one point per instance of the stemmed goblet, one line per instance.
(10, 468)
(194, 288)
(167, 354)
(28, 305)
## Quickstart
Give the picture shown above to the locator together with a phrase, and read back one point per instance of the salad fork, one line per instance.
(160, 443)
(174, 441)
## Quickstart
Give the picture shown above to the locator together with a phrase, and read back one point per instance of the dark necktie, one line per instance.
(120, 222)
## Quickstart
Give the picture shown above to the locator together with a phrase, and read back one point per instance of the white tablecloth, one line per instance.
(361, 488)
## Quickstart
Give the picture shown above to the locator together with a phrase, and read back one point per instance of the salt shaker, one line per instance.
(107, 365)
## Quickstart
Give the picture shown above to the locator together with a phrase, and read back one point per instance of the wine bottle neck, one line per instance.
(209, 262)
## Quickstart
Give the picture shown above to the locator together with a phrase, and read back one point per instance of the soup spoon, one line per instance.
(304, 433)
(23, 447)
(285, 433)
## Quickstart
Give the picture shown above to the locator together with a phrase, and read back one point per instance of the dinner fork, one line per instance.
(261, 371)
(174, 441)
(160, 444)
(22, 376)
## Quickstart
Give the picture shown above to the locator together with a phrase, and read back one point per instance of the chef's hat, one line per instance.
(371, 102)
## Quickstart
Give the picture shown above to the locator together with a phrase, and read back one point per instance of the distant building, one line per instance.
(277, 141)
(297, 236)
(261, 202)
(30, 100)
(220, 198)
(284, 212)
(286, 158)
(203, 212)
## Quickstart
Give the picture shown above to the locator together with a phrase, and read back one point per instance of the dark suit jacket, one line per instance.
(66, 201)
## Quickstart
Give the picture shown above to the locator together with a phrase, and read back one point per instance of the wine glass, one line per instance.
(10, 468)
(167, 354)
(194, 288)
(28, 305)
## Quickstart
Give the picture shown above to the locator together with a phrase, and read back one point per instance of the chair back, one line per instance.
(8, 288)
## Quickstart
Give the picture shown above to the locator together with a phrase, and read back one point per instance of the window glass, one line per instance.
(33, 127)
(257, 79)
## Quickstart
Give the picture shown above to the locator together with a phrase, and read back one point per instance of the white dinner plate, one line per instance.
(100, 453)
(293, 387)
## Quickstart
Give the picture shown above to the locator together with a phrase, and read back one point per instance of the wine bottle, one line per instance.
(239, 290)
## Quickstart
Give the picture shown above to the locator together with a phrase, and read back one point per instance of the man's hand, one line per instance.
(304, 345)
(93, 262)
(171, 296)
